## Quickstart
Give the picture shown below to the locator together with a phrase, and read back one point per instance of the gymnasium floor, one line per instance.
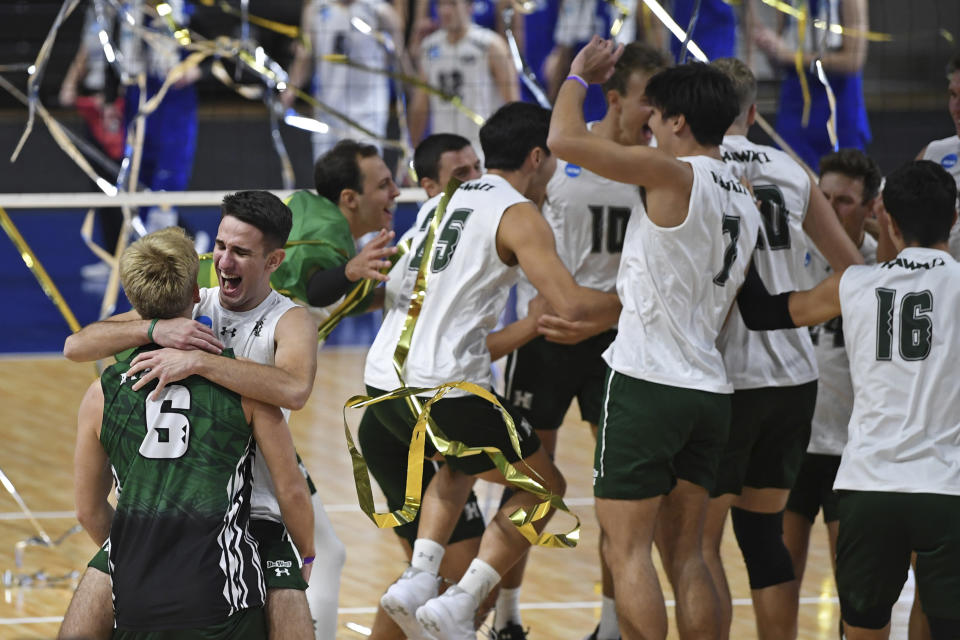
(39, 393)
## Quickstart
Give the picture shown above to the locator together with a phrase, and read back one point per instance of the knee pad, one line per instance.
(874, 618)
(760, 536)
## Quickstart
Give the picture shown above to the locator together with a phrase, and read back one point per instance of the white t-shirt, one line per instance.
(677, 284)
(828, 431)
(467, 289)
(946, 153)
(756, 359)
(589, 216)
(251, 335)
(903, 338)
(461, 68)
(361, 95)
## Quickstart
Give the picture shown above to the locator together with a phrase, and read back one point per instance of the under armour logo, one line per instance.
(523, 399)
(257, 327)
(421, 554)
(282, 572)
(526, 426)
(233, 332)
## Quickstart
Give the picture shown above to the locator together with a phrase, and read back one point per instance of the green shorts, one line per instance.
(878, 531)
(468, 419)
(100, 561)
(769, 433)
(543, 378)
(278, 556)
(247, 624)
(813, 488)
(652, 434)
(386, 458)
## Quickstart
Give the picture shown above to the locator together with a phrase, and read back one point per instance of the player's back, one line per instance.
(757, 359)
(467, 289)
(180, 554)
(677, 283)
(903, 339)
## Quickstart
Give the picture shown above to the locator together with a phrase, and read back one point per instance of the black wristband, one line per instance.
(760, 310)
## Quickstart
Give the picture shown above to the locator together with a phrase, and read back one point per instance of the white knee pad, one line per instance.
(324, 585)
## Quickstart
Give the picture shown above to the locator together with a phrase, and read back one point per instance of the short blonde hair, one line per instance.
(744, 82)
(159, 272)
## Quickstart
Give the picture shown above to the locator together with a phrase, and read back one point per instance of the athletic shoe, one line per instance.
(401, 600)
(512, 631)
(450, 616)
(593, 636)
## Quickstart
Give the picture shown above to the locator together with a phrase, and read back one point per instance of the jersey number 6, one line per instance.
(168, 430)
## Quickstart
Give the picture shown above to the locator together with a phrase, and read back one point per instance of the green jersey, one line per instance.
(319, 240)
(180, 552)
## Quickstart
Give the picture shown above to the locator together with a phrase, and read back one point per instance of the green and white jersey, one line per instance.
(946, 153)
(467, 289)
(462, 69)
(757, 359)
(828, 432)
(180, 552)
(250, 334)
(903, 339)
(589, 216)
(676, 284)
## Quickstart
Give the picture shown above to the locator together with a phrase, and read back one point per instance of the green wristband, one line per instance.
(153, 324)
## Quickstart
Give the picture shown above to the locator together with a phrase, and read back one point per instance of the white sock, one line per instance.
(508, 608)
(427, 555)
(609, 627)
(479, 580)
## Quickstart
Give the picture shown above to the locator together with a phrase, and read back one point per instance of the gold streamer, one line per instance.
(289, 30)
(36, 268)
(831, 102)
(790, 10)
(798, 65)
(523, 519)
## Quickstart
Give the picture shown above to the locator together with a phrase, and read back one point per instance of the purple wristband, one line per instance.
(583, 83)
(309, 559)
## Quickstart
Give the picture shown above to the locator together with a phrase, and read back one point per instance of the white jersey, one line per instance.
(828, 432)
(251, 335)
(589, 216)
(462, 69)
(467, 289)
(677, 284)
(946, 153)
(756, 359)
(361, 95)
(903, 339)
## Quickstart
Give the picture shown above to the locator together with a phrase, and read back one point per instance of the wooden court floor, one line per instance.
(560, 597)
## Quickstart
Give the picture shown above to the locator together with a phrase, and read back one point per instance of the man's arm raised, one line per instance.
(286, 383)
(127, 330)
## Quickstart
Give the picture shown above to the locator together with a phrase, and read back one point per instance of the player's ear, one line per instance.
(275, 258)
(679, 122)
(196, 293)
(429, 185)
(348, 199)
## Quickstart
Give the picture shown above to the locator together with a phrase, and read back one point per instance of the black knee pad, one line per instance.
(944, 628)
(875, 618)
(760, 536)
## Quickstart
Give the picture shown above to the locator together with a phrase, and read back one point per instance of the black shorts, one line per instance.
(467, 419)
(769, 433)
(246, 624)
(386, 458)
(278, 556)
(813, 488)
(878, 532)
(543, 378)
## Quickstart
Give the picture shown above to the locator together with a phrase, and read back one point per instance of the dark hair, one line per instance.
(426, 158)
(954, 65)
(262, 210)
(855, 164)
(922, 197)
(636, 57)
(511, 133)
(704, 96)
(339, 169)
